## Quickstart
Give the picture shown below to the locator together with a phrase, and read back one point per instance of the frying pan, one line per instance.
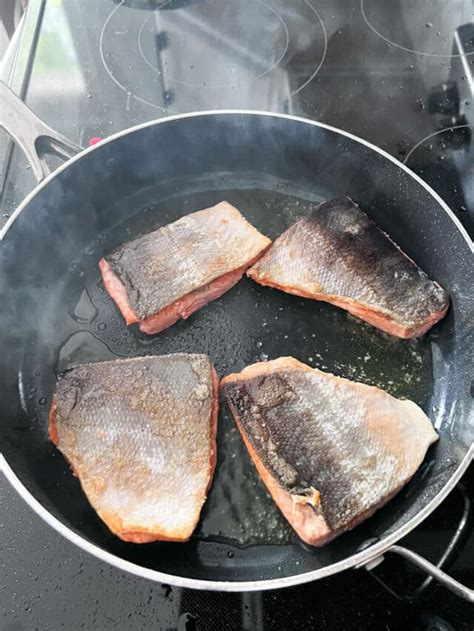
(55, 314)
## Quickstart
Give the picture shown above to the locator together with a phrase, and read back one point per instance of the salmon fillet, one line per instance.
(340, 256)
(330, 451)
(172, 272)
(140, 434)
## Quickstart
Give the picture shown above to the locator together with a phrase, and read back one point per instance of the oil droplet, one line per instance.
(102, 326)
(42, 401)
(38, 373)
(81, 348)
(231, 554)
(263, 357)
(84, 311)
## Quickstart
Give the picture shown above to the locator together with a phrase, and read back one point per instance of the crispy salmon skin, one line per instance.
(338, 254)
(140, 434)
(172, 272)
(330, 451)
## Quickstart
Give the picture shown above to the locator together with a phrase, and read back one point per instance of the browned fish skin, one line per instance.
(339, 255)
(181, 264)
(331, 451)
(141, 436)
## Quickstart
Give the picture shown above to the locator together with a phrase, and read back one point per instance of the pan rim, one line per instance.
(231, 112)
(356, 560)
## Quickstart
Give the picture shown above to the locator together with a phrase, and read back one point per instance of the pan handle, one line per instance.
(35, 138)
(450, 583)
(438, 574)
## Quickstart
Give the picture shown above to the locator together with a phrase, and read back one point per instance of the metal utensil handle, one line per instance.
(35, 138)
(450, 583)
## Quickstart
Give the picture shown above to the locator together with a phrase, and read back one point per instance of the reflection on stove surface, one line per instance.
(214, 54)
(392, 72)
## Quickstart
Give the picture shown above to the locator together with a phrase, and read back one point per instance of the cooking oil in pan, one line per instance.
(249, 323)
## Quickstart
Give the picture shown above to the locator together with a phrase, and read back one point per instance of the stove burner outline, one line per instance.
(218, 85)
(110, 73)
(131, 95)
(436, 133)
(400, 46)
(325, 49)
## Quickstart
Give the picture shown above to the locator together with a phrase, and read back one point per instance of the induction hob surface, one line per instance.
(396, 73)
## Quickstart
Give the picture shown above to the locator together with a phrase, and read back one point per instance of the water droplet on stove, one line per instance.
(464, 78)
(231, 554)
(42, 401)
(429, 25)
(259, 344)
(263, 357)
(84, 311)
(102, 326)
(420, 104)
(467, 102)
(438, 33)
(38, 373)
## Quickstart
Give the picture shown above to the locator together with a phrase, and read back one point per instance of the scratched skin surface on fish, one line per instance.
(140, 435)
(338, 254)
(342, 446)
(160, 267)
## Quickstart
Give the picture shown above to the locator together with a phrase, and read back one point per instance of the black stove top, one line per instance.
(397, 73)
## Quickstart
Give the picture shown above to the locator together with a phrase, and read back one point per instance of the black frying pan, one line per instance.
(55, 313)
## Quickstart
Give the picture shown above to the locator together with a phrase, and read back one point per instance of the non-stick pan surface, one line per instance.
(55, 314)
